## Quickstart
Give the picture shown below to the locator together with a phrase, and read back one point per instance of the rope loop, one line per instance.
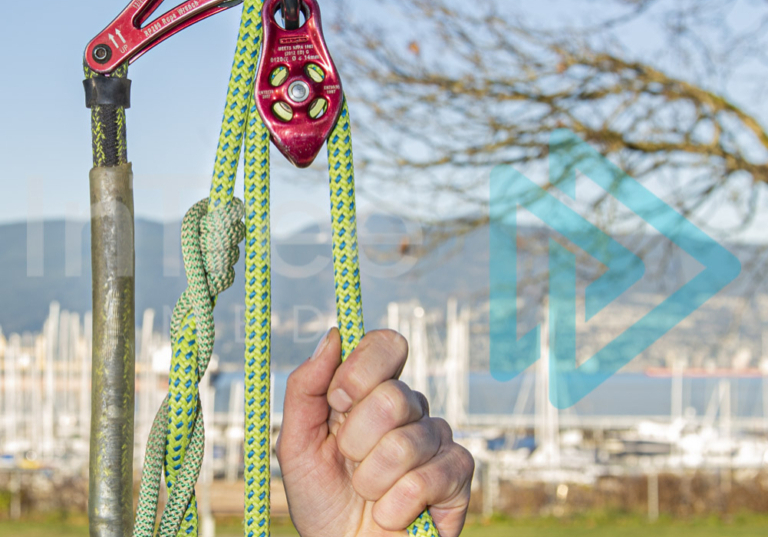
(209, 244)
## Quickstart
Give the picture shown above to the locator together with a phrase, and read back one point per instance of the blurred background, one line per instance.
(441, 92)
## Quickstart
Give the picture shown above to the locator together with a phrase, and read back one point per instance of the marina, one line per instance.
(661, 422)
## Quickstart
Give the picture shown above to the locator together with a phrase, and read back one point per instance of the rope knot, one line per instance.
(220, 233)
(209, 248)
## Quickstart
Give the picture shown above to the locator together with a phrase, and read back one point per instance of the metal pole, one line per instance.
(110, 498)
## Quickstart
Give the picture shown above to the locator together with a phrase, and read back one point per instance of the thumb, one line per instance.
(305, 410)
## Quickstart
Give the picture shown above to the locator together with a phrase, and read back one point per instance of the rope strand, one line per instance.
(346, 263)
(258, 329)
(192, 329)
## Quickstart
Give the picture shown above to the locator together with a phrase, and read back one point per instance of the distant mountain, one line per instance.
(303, 277)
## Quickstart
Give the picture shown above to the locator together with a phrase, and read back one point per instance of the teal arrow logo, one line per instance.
(510, 354)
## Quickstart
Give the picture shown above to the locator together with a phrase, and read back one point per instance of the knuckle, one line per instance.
(423, 402)
(291, 380)
(352, 379)
(377, 338)
(432, 432)
(465, 461)
(392, 401)
(398, 343)
(444, 428)
(413, 487)
(390, 341)
(396, 447)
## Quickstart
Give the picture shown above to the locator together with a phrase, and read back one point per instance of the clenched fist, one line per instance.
(359, 454)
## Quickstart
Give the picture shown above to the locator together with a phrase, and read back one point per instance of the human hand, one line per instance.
(358, 452)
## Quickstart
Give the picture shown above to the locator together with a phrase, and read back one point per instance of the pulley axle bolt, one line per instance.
(298, 91)
(102, 53)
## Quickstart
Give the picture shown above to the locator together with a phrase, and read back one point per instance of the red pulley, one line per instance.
(298, 89)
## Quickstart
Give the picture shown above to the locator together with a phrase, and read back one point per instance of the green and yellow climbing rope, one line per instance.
(211, 231)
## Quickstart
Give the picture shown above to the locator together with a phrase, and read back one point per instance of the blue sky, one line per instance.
(178, 96)
(173, 124)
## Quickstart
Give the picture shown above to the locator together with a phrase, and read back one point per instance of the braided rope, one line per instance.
(258, 324)
(211, 231)
(238, 102)
(192, 330)
(222, 187)
(176, 437)
(346, 264)
(108, 130)
(210, 251)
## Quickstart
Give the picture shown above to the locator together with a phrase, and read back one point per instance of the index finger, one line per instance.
(379, 357)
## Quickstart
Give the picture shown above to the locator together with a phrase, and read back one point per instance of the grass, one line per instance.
(607, 525)
(592, 525)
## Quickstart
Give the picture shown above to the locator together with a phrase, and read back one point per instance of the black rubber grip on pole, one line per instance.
(107, 91)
